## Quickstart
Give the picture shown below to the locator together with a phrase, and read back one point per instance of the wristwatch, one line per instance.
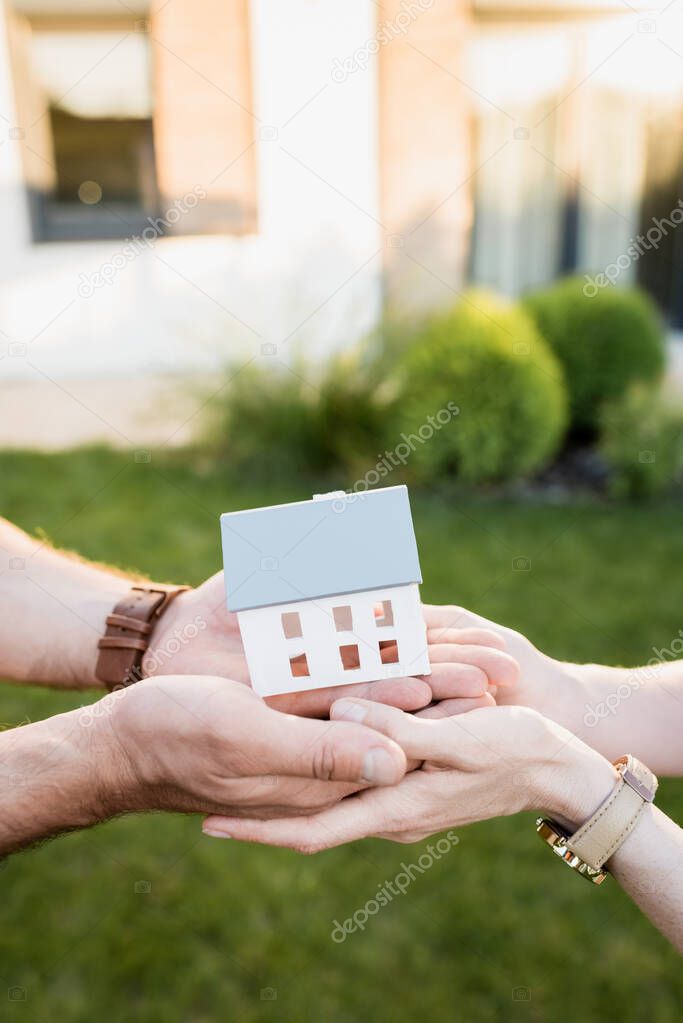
(128, 632)
(596, 841)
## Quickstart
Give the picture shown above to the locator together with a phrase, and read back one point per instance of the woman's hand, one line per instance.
(639, 710)
(542, 683)
(198, 635)
(491, 762)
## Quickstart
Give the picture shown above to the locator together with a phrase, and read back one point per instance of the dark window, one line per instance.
(105, 181)
(83, 92)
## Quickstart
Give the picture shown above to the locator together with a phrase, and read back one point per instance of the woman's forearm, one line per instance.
(648, 865)
(631, 710)
(614, 710)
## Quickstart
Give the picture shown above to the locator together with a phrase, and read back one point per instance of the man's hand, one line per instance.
(487, 763)
(189, 741)
(182, 743)
(198, 634)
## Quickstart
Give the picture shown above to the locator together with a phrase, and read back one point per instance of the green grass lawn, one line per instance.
(221, 922)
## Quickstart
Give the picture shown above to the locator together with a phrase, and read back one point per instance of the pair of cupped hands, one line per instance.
(400, 758)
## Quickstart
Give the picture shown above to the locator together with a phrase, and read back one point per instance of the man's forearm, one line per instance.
(53, 609)
(56, 775)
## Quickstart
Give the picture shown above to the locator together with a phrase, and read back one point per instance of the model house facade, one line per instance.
(326, 591)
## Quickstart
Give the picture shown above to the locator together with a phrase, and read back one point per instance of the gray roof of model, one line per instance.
(336, 543)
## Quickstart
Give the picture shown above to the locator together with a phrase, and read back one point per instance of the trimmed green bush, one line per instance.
(605, 342)
(642, 442)
(486, 360)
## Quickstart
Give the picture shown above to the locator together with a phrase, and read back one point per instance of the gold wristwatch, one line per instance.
(589, 848)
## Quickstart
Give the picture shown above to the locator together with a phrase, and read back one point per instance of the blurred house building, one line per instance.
(187, 184)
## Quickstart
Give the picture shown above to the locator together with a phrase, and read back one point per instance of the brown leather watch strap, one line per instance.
(128, 631)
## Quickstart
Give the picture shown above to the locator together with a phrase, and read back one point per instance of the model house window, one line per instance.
(291, 625)
(343, 619)
(299, 666)
(384, 614)
(350, 656)
(388, 651)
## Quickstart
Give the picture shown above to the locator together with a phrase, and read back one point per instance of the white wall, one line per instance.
(312, 271)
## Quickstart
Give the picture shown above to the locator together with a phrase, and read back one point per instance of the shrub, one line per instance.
(605, 343)
(487, 358)
(642, 442)
(352, 410)
(267, 420)
(305, 417)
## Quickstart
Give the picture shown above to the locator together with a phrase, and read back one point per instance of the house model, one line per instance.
(326, 591)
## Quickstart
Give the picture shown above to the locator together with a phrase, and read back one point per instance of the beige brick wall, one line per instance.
(29, 107)
(425, 151)
(203, 122)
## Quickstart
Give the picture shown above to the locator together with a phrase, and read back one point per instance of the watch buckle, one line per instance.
(631, 779)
